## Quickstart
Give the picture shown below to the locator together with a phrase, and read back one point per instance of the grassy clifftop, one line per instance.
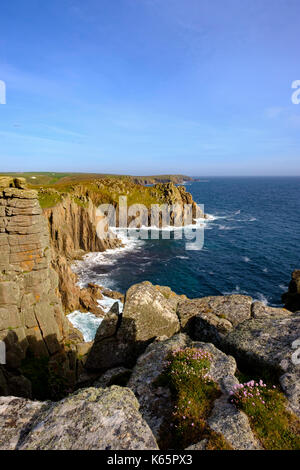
(107, 190)
(52, 178)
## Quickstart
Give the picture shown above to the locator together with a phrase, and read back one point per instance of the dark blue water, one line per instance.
(251, 247)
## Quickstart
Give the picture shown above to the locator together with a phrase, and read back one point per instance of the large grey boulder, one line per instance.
(156, 400)
(91, 419)
(147, 314)
(16, 414)
(266, 343)
(260, 337)
(210, 318)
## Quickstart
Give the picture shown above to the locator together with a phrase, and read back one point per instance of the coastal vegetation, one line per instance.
(194, 392)
(53, 178)
(267, 409)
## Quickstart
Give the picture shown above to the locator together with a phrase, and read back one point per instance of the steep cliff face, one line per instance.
(31, 314)
(291, 299)
(72, 226)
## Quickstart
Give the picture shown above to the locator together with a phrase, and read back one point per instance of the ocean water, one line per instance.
(251, 245)
(88, 323)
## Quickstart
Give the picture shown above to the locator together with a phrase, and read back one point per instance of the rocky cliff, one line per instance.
(37, 284)
(73, 216)
(133, 403)
(291, 299)
(72, 228)
(32, 319)
(259, 337)
(132, 349)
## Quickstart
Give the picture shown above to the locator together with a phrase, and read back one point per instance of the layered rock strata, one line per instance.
(31, 313)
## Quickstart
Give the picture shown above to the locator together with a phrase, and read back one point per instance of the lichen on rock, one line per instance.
(90, 419)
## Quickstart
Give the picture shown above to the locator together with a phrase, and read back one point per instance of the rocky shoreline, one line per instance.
(114, 388)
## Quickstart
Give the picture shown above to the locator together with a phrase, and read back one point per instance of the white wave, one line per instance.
(107, 302)
(236, 291)
(261, 298)
(87, 323)
(283, 287)
(226, 227)
(85, 268)
(208, 217)
(182, 257)
(265, 270)
(246, 259)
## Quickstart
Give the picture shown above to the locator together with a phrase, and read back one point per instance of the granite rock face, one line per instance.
(291, 299)
(156, 401)
(261, 338)
(119, 340)
(210, 318)
(178, 197)
(31, 314)
(72, 228)
(91, 419)
(267, 343)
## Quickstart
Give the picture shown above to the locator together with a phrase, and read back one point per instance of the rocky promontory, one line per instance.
(168, 372)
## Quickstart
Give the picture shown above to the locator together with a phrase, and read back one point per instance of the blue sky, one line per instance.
(200, 87)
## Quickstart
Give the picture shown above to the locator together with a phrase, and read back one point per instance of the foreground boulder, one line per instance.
(156, 400)
(266, 344)
(91, 419)
(261, 338)
(214, 317)
(147, 313)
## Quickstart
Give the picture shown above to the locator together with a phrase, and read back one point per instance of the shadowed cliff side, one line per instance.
(291, 299)
(32, 320)
(72, 228)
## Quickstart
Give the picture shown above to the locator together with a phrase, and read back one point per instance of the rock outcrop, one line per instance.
(267, 344)
(215, 316)
(72, 227)
(91, 419)
(31, 314)
(260, 337)
(291, 299)
(156, 400)
(147, 313)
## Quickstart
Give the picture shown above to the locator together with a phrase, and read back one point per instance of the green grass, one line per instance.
(100, 189)
(266, 407)
(80, 202)
(38, 178)
(52, 178)
(49, 199)
(194, 393)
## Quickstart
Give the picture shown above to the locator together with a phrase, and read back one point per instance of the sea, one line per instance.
(251, 244)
